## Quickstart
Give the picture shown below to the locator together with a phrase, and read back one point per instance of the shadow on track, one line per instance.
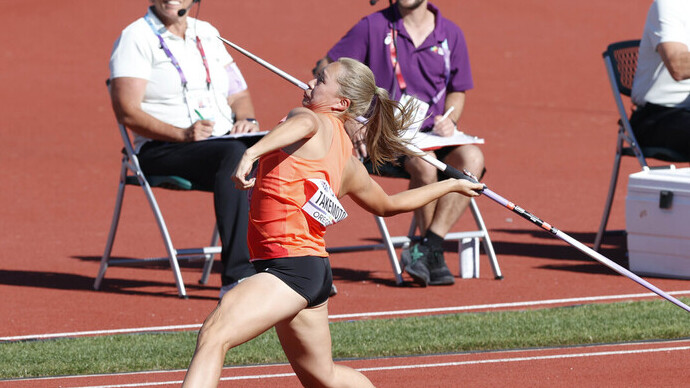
(67, 281)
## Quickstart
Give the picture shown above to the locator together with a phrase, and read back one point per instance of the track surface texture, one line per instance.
(541, 101)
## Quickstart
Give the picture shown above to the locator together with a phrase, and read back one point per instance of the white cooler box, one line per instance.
(657, 221)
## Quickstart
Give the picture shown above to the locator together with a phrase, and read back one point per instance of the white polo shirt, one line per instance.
(667, 21)
(137, 53)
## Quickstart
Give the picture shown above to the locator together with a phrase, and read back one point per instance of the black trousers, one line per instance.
(210, 164)
(660, 126)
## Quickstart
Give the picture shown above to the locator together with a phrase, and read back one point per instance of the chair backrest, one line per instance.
(621, 63)
(620, 59)
(126, 141)
(623, 60)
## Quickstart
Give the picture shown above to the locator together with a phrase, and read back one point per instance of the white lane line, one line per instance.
(502, 305)
(532, 358)
(422, 365)
(101, 332)
(356, 315)
(176, 382)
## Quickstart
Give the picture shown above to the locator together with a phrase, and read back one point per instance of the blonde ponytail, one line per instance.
(385, 119)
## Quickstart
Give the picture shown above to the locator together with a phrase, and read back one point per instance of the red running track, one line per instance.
(648, 364)
(541, 102)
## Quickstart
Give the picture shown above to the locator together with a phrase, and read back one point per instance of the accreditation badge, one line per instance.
(202, 106)
(421, 108)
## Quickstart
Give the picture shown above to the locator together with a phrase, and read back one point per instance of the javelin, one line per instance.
(454, 173)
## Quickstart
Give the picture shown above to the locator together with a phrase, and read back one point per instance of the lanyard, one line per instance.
(203, 59)
(174, 61)
(392, 46)
(394, 60)
(446, 64)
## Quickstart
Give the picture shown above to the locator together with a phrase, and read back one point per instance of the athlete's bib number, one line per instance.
(323, 206)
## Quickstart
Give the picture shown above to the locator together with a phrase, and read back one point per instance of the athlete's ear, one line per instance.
(343, 104)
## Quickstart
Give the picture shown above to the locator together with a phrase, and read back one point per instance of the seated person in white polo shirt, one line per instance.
(173, 84)
(661, 88)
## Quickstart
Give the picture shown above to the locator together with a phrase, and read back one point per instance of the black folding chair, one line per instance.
(620, 60)
(131, 174)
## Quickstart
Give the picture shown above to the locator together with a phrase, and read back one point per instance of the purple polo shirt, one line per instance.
(423, 67)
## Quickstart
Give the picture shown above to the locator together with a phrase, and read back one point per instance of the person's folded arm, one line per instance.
(126, 95)
(676, 58)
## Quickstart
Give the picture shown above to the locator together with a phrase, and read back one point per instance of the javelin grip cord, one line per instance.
(454, 173)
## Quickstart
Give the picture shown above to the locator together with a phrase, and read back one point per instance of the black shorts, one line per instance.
(309, 276)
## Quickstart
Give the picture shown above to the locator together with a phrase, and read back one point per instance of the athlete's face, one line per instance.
(323, 91)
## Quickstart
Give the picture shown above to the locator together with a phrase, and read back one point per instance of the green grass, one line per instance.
(585, 324)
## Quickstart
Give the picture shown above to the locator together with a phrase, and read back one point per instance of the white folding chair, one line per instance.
(390, 243)
(620, 59)
(131, 174)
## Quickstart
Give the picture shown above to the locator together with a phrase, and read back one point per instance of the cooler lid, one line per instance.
(674, 179)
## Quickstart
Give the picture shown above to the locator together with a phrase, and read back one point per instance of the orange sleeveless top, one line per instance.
(278, 225)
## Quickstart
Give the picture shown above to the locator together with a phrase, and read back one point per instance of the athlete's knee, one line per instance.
(213, 336)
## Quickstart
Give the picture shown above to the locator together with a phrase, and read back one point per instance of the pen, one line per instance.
(445, 115)
(202, 117)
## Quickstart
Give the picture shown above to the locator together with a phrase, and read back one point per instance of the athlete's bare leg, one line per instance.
(306, 340)
(249, 309)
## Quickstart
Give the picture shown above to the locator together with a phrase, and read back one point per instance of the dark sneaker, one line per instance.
(439, 274)
(415, 263)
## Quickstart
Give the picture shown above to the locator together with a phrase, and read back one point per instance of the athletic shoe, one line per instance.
(224, 290)
(439, 274)
(334, 290)
(415, 263)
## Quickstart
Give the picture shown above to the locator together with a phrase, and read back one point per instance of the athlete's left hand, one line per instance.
(242, 172)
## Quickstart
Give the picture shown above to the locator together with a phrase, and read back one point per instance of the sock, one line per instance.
(433, 241)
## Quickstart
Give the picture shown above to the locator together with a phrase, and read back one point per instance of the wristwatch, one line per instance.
(252, 120)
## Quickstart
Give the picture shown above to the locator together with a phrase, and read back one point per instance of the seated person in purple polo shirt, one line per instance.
(433, 67)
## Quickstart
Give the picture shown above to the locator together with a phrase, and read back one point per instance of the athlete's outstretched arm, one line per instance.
(363, 189)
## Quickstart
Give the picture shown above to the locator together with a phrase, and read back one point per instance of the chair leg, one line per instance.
(111, 234)
(609, 200)
(208, 260)
(392, 256)
(172, 253)
(413, 227)
(486, 240)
